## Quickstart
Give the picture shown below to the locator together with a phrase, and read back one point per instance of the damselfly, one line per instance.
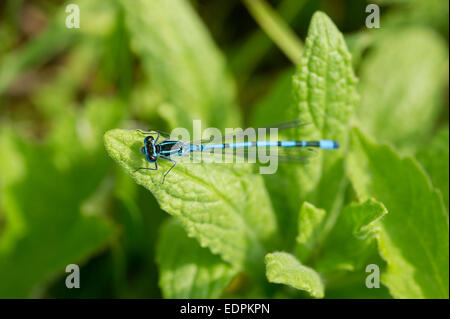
(169, 149)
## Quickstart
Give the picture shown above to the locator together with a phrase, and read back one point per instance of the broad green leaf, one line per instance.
(325, 84)
(38, 240)
(310, 224)
(325, 94)
(49, 223)
(187, 270)
(283, 268)
(352, 240)
(402, 78)
(414, 236)
(434, 158)
(182, 61)
(225, 207)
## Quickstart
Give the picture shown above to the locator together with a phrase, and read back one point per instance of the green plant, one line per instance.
(227, 209)
(223, 230)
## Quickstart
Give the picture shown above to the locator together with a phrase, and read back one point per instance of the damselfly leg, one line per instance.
(170, 160)
(148, 168)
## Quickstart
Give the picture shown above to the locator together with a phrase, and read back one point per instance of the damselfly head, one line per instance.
(143, 150)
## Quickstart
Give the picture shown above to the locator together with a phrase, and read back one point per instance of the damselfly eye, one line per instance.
(143, 150)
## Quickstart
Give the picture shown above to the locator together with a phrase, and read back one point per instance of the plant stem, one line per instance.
(255, 47)
(276, 28)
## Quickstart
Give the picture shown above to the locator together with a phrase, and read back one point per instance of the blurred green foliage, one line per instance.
(381, 199)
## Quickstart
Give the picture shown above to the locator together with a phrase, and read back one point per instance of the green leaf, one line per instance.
(53, 196)
(325, 84)
(182, 61)
(414, 236)
(188, 270)
(48, 223)
(283, 268)
(310, 224)
(224, 206)
(352, 240)
(325, 93)
(434, 157)
(395, 87)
